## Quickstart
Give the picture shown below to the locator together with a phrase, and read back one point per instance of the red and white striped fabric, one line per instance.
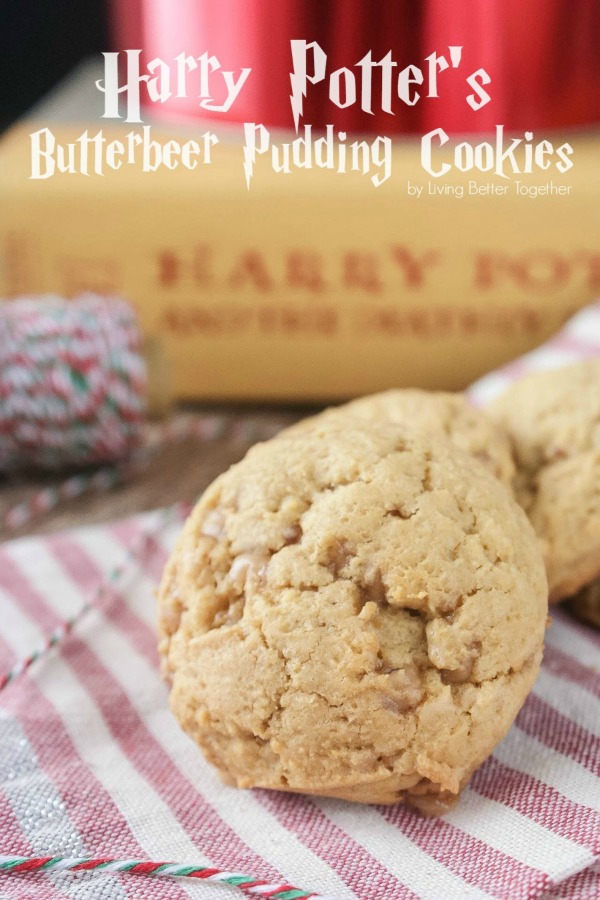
(93, 764)
(579, 339)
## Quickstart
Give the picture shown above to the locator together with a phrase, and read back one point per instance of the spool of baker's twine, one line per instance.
(72, 382)
(77, 383)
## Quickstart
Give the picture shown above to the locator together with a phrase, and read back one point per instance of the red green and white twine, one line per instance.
(58, 635)
(48, 498)
(72, 382)
(73, 394)
(254, 887)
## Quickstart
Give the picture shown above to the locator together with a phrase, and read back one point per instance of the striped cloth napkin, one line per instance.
(92, 763)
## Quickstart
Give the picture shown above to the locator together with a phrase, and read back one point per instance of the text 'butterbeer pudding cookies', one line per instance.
(353, 612)
(553, 419)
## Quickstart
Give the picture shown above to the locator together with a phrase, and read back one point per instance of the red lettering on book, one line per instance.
(541, 270)
(251, 269)
(361, 270)
(168, 268)
(305, 270)
(537, 270)
(414, 267)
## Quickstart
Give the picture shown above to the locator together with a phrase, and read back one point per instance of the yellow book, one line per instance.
(312, 285)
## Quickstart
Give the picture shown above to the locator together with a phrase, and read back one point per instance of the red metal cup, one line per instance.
(553, 58)
(542, 57)
(256, 34)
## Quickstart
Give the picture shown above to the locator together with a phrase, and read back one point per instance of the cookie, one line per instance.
(438, 413)
(353, 613)
(586, 604)
(553, 419)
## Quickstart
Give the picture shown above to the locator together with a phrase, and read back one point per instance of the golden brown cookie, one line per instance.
(553, 419)
(438, 413)
(586, 604)
(353, 614)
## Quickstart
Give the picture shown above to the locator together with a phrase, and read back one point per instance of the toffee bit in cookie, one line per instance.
(464, 670)
(214, 524)
(373, 586)
(369, 611)
(428, 799)
(246, 566)
(292, 534)
(169, 618)
(339, 555)
(319, 661)
(400, 513)
(404, 689)
(230, 615)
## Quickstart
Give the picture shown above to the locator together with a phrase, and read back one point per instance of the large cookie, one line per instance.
(353, 614)
(586, 604)
(553, 419)
(437, 413)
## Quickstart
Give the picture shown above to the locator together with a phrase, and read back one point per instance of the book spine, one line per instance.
(320, 286)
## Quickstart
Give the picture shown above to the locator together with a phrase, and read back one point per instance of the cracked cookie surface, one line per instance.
(553, 419)
(438, 413)
(352, 614)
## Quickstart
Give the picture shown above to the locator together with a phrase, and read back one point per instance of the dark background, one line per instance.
(40, 41)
